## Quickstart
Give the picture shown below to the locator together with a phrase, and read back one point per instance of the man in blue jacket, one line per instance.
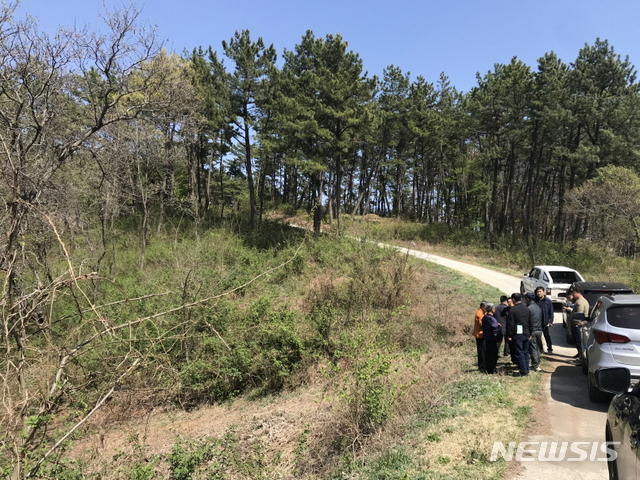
(546, 306)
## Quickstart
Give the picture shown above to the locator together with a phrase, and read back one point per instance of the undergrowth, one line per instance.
(383, 337)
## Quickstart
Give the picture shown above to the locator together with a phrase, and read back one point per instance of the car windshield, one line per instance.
(624, 317)
(564, 277)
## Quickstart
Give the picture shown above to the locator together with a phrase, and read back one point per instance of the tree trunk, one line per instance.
(249, 168)
(317, 208)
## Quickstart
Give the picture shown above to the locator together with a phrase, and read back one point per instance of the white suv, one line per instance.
(611, 339)
(554, 279)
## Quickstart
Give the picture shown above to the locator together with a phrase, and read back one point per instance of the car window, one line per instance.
(544, 276)
(536, 273)
(564, 277)
(591, 297)
(624, 317)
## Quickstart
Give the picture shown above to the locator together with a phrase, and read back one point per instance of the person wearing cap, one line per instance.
(546, 306)
(519, 327)
(477, 333)
(492, 334)
(579, 313)
(535, 345)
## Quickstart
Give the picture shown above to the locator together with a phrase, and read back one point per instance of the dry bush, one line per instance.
(434, 313)
(371, 217)
(428, 321)
(323, 288)
(335, 441)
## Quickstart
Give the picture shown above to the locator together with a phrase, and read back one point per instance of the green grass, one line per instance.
(375, 321)
(448, 442)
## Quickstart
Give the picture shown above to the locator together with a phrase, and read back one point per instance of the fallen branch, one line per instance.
(99, 404)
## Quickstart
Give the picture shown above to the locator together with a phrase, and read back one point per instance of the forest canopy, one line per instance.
(248, 128)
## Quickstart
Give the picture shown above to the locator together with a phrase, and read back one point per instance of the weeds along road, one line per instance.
(564, 413)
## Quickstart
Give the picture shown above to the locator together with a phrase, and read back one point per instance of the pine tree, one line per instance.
(324, 97)
(252, 64)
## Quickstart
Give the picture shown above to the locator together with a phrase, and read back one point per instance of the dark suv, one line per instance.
(621, 431)
(592, 291)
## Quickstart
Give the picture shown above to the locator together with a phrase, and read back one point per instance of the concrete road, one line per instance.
(565, 414)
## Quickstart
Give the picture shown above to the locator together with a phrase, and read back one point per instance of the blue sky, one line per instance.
(423, 37)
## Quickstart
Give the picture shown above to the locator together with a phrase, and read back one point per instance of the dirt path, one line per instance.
(565, 413)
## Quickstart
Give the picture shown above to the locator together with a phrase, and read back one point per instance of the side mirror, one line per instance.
(613, 380)
(525, 275)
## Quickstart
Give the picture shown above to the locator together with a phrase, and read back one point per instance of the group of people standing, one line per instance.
(519, 323)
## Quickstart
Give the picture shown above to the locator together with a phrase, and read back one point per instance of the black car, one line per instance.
(592, 291)
(622, 429)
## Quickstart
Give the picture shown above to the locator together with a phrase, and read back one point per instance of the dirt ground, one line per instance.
(277, 424)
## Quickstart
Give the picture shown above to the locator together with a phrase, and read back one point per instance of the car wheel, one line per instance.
(612, 463)
(584, 363)
(595, 394)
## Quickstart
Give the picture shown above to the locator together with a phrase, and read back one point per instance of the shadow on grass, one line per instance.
(272, 235)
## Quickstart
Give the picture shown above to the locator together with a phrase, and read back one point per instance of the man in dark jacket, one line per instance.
(546, 305)
(519, 328)
(502, 310)
(492, 334)
(535, 345)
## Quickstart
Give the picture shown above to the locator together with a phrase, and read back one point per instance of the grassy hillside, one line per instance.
(273, 355)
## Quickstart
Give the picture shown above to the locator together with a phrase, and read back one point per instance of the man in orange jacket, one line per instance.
(477, 333)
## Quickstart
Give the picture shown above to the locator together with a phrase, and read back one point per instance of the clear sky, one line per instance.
(423, 37)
